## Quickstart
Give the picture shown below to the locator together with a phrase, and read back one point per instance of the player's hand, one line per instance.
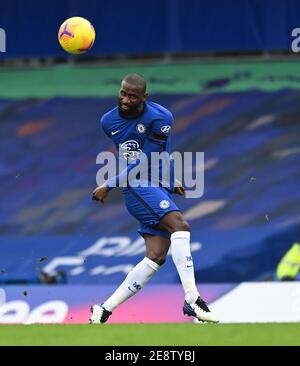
(100, 193)
(179, 189)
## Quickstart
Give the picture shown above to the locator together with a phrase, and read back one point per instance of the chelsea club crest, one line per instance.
(141, 128)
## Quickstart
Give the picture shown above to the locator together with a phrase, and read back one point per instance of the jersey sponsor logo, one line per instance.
(130, 150)
(165, 129)
(164, 204)
(114, 132)
(141, 128)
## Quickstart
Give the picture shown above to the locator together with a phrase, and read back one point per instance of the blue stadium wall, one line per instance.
(241, 227)
(157, 26)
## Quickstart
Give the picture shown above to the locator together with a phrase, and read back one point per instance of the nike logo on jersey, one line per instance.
(114, 132)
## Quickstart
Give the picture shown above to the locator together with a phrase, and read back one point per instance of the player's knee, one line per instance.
(181, 225)
(160, 261)
(157, 258)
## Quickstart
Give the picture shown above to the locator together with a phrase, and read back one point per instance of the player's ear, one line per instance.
(145, 96)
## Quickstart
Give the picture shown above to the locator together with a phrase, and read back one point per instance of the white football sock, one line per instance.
(181, 254)
(135, 281)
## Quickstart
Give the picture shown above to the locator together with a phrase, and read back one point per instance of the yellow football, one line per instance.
(76, 35)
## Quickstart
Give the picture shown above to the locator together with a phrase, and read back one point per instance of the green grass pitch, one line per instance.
(180, 334)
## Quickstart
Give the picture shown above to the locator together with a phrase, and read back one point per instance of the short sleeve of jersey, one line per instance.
(163, 126)
(104, 125)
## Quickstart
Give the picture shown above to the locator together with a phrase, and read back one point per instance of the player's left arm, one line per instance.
(160, 133)
(179, 189)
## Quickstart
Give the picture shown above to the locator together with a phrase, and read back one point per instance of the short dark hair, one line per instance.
(136, 79)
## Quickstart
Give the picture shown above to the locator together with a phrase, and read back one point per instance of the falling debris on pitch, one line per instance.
(42, 259)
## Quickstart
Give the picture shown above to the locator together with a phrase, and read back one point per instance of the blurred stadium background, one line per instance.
(227, 72)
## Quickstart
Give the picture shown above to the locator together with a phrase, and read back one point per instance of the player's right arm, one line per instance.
(101, 192)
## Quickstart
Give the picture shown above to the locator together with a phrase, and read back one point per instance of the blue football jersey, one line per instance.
(150, 132)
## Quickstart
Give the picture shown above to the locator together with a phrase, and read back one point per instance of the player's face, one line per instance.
(131, 98)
